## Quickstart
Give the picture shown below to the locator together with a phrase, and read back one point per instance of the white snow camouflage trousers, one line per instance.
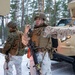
(46, 64)
(16, 61)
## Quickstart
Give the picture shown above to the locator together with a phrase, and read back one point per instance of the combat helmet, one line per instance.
(12, 24)
(40, 15)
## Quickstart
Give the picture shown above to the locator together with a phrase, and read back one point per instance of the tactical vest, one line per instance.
(39, 40)
(42, 42)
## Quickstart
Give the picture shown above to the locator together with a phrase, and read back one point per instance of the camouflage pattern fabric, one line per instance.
(14, 41)
(43, 44)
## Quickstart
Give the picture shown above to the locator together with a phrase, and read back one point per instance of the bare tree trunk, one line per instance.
(3, 38)
(54, 12)
(69, 10)
(22, 20)
(41, 5)
(16, 10)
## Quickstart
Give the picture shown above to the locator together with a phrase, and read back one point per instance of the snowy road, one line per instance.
(61, 68)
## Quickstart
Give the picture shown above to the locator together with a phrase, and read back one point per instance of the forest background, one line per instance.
(23, 12)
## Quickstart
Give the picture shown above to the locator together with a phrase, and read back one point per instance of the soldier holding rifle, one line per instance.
(41, 36)
(43, 45)
(14, 49)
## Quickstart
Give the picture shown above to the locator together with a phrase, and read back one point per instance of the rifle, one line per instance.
(7, 55)
(7, 58)
(1, 50)
(33, 48)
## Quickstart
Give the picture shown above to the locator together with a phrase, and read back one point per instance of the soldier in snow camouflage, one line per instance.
(43, 44)
(13, 49)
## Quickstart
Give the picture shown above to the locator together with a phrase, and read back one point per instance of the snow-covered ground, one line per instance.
(61, 68)
(25, 65)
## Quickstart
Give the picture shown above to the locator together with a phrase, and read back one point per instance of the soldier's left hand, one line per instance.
(27, 27)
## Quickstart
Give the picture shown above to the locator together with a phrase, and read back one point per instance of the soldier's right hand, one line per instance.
(25, 40)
